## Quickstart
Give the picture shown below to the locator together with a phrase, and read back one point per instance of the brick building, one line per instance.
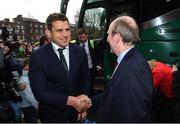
(7, 26)
(22, 28)
(26, 29)
(29, 29)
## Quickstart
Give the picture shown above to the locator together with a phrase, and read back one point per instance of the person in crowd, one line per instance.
(57, 76)
(29, 104)
(47, 34)
(1, 54)
(10, 59)
(176, 91)
(6, 76)
(128, 97)
(25, 49)
(22, 49)
(43, 40)
(5, 73)
(163, 91)
(88, 45)
(29, 49)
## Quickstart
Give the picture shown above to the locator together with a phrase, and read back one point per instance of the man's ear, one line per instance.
(118, 37)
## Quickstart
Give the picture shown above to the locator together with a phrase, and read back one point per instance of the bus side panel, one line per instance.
(162, 42)
(165, 51)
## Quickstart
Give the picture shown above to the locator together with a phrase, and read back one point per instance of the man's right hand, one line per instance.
(81, 103)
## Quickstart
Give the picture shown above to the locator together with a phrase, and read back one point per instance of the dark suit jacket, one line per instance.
(50, 84)
(128, 98)
(92, 54)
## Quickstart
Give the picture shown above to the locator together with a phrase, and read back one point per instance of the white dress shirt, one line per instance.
(90, 64)
(65, 52)
(119, 59)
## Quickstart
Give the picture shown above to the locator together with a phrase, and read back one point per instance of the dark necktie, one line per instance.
(83, 45)
(62, 59)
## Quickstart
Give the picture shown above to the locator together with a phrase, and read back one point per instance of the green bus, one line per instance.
(159, 22)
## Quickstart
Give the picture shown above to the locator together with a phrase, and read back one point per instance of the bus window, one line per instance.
(94, 21)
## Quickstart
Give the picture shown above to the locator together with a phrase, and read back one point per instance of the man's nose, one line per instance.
(65, 33)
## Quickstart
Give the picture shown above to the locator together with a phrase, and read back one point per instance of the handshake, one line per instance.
(81, 103)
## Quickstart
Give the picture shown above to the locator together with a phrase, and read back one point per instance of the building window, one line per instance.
(18, 27)
(36, 31)
(41, 31)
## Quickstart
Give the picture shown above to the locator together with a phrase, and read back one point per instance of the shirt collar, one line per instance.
(121, 56)
(56, 47)
(86, 43)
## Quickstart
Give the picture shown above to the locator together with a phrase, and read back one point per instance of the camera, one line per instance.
(8, 92)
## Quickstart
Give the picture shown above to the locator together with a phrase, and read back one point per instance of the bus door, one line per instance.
(95, 16)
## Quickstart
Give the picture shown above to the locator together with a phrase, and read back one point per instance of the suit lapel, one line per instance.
(122, 66)
(51, 54)
(53, 58)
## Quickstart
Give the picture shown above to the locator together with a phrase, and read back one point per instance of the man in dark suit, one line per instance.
(88, 45)
(128, 97)
(59, 72)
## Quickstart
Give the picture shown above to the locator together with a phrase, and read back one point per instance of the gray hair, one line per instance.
(128, 31)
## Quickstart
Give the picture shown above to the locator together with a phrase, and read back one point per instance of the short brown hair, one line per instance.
(55, 17)
(82, 31)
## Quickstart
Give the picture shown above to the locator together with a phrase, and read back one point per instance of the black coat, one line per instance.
(128, 98)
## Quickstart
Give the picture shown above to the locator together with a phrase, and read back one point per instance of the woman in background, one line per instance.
(29, 104)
